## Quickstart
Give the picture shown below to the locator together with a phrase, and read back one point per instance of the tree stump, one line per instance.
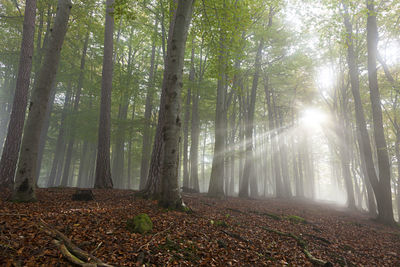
(83, 195)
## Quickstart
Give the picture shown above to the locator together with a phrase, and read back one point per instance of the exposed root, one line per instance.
(273, 216)
(303, 246)
(238, 237)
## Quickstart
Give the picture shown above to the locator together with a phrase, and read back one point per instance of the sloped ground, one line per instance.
(231, 232)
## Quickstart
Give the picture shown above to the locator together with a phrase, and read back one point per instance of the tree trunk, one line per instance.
(60, 145)
(130, 176)
(70, 146)
(103, 168)
(363, 140)
(216, 186)
(385, 199)
(195, 133)
(186, 183)
(249, 167)
(24, 188)
(344, 144)
(16, 123)
(153, 183)
(146, 144)
(170, 194)
(274, 158)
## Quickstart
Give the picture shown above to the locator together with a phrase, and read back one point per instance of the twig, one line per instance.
(98, 246)
(152, 238)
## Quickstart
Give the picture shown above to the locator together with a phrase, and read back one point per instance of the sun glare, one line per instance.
(325, 78)
(313, 118)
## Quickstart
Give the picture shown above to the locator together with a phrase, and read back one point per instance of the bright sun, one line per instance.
(313, 118)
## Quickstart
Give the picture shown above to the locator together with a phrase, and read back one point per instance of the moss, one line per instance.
(140, 224)
(296, 219)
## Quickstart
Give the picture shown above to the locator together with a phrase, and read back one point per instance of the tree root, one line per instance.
(273, 216)
(238, 237)
(70, 251)
(303, 246)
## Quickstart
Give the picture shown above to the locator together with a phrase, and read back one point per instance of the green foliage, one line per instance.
(140, 224)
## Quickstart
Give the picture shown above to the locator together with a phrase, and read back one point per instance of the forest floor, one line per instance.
(227, 232)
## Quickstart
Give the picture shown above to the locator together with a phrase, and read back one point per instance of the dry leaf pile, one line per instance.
(227, 232)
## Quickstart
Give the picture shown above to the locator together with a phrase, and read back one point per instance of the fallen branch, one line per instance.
(303, 246)
(74, 250)
(69, 256)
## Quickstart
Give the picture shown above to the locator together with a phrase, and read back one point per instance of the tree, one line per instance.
(170, 194)
(11, 147)
(385, 199)
(363, 136)
(103, 167)
(144, 167)
(24, 187)
(249, 168)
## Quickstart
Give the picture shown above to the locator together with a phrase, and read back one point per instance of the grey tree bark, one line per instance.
(70, 144)
(146, 144)
(249, 168)
(103, 168)
(363, 140)
(216, 186)
(170, 194)
(186, 123)
(385, 200)
(195, 130)
(60, 145)
(12, 143)
(24, 187)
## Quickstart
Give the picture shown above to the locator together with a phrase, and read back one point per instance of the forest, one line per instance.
(200, 132)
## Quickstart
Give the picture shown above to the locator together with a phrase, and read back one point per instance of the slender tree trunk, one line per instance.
(24, 188)
(195, 133)
(283, 155)
(130, 176)
(203, 164)
(146, 144)
(83, 162)
(45, 129)
(170, 194)
(60, 145)
(385, 200)
(70, 146)
(186, 182)
(103, 168)
(274, 157)
(216, 186)
(249, 167)
(363, 136)
(12, 143)
(153, 183)
(344, 144)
